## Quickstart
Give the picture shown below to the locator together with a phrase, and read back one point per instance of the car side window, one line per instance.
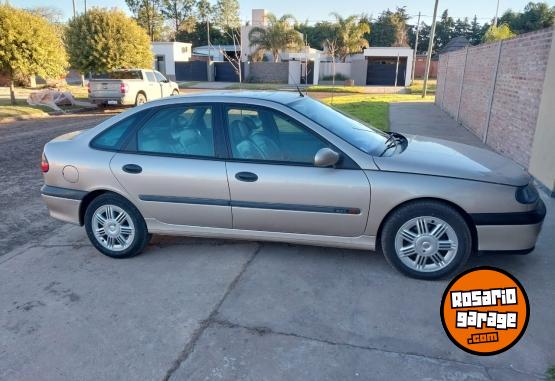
(183, 130)
(262, 134)
(111, 138)
(150, 76)
(160, 77)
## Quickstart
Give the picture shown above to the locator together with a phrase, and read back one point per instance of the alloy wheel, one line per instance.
(426, 244)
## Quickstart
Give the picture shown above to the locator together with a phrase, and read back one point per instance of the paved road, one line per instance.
(197, 309)
(21, 211)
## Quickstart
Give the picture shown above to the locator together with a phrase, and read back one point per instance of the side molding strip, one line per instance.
(249, 204)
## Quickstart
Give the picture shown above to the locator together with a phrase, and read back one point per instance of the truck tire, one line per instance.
(140, 99)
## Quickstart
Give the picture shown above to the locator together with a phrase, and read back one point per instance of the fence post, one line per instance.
(462, 84)
(485, 137)
(445, 79)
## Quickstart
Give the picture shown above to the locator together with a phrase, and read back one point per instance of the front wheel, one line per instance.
(115, 227)
(426, 240)
(175, 92)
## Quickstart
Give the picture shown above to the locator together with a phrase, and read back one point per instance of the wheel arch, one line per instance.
(461, 211)
(89, 197)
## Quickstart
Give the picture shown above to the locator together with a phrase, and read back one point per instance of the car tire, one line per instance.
(426, 240)
(140, 99)
(175, 92)
(115, 227)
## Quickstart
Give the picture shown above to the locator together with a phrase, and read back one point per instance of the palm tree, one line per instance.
(277, 35)
(350, 35)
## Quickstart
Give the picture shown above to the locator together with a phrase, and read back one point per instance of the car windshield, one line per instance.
(119, 74)
(361, 135)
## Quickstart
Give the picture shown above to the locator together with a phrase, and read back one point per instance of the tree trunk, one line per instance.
(12, 91)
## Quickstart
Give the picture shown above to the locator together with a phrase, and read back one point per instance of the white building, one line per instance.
(383, 63)
(166, 54)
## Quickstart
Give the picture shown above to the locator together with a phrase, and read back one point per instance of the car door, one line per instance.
(165, 85)
(274, 185)
(171, 169)
(153, 87)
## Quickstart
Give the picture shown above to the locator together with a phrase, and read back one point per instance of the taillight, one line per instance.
(122, 88)
(44, 166)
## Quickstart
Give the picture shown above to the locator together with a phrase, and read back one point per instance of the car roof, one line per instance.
(283, 97)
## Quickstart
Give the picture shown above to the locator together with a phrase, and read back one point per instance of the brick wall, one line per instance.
(269, 72)
(494, 90)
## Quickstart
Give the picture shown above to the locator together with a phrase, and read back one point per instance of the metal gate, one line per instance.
(381, 72)
(307, 79)
(225, 72)
(191, 71)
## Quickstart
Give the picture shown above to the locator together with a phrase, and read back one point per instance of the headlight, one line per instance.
(527, 194)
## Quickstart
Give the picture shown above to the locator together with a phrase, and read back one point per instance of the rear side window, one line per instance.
(112, 138)
(150, 76)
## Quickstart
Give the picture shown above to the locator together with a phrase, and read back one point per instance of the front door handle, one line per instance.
(132, 168)
(248, 177)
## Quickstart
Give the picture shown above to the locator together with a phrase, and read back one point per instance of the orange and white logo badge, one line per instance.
(485, 311)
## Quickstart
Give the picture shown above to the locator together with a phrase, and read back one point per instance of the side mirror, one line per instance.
(326, 157)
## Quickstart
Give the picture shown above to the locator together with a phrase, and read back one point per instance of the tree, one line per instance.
(180, 13)
(227, 14)
(462, 28)
(475, 32)
(350, 35)
(277, 35)
(29, 45)
(444, 30)
(498, 33)
(390, 29)
(147, 13)
(198, 36)
(103, 40)
(204, 10)
(317, 34)
(534, 17)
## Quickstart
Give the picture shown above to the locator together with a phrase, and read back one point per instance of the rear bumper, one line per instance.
(119, 100)
(63, 204)
(509, 232)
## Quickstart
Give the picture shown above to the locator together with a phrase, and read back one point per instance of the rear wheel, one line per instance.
(140, 99)
(115, 227)
(175, 92)
(426, 240)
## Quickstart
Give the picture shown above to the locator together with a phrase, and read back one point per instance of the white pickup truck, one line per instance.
(129, 87)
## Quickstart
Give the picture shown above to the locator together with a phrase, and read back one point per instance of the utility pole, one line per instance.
(85, 7)
(208, 39)
(496, 13)
(74, 14)
(430, 47)
(415, 48)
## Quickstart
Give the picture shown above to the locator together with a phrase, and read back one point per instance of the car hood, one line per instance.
(438, 157)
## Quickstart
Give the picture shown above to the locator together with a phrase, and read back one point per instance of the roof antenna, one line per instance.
(300, 92)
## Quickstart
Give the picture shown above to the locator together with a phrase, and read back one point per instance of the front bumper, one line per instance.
(63, 204)
(509, 232)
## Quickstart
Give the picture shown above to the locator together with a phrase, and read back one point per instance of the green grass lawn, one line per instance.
(337, 89)
(372, 108)
(418, 86)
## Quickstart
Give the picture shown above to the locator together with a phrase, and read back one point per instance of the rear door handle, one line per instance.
(132, 168)
(248, 177)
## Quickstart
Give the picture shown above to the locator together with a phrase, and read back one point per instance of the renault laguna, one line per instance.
(284, 167)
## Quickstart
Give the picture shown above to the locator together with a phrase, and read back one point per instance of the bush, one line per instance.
(338, 77)
(102, 40)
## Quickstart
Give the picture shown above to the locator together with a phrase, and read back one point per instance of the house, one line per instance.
(167, 54)
(388, 66)
(217, 53)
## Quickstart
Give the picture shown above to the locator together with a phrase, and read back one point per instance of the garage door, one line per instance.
(381, 72)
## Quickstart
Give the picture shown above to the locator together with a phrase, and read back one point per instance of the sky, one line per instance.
(320, 10)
